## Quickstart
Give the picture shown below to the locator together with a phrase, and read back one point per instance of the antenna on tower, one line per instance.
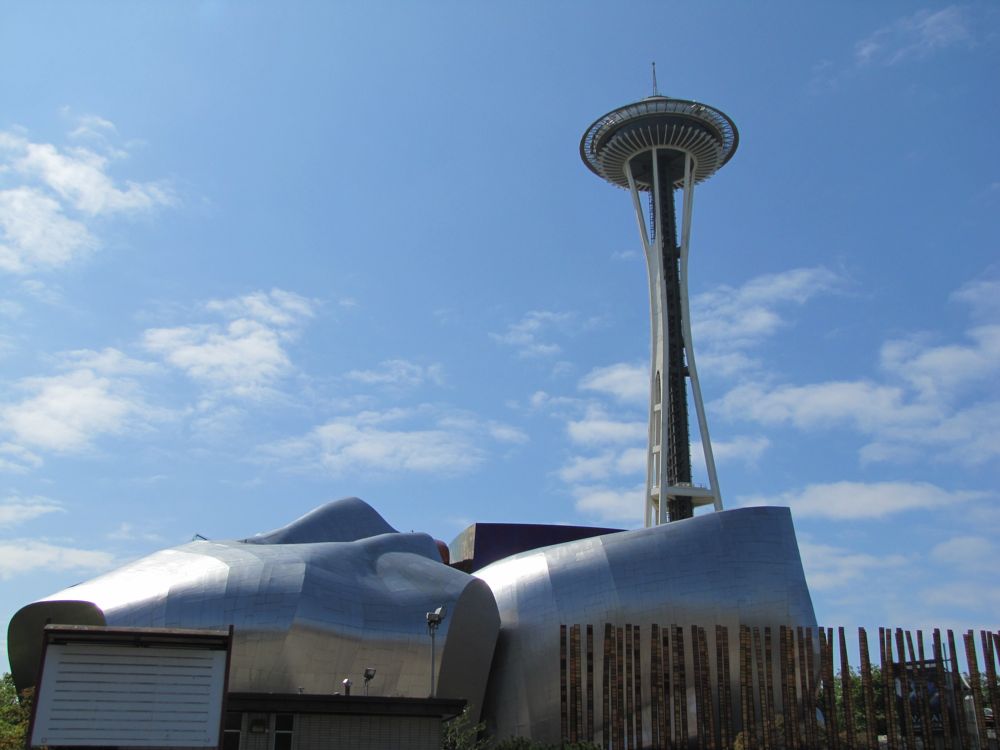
(656, 91)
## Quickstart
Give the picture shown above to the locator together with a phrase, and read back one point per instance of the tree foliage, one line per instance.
(15, 711)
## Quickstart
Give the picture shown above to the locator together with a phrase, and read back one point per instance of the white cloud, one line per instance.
(15, 509)
(277, 308)
(726, 317)
(967, 595)
(844, 501)
(611, 504)
(915, 36)
(79, 176)
(424, 439)
(622, 381)
(108, 361)
(597, 428)
(745, 449)
(982, 296)
(16, 459)
(829, 567)
(526, 335)
(505, 433)
(582, 468)
(20, 556)
(399, 373)
(36, 235)
(966, 553)
(864, 405)
(54, 192)
(939, 371)
(127, 532)
(245, 357)
(66, 413)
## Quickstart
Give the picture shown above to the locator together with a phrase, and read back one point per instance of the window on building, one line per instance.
(231, 731)
(283, 726)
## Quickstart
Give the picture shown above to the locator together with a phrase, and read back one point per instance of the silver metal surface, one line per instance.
(307, 613)
(728, 568)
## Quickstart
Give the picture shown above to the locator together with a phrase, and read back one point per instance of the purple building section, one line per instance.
(482, 544)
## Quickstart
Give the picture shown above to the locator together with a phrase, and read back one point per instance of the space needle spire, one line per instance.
(662, 146)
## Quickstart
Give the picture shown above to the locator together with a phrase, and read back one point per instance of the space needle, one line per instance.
(660, 146)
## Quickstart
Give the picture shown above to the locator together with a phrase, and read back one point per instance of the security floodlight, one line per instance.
(369, 675)
(433, 621)
(434, 618)
(347, 685)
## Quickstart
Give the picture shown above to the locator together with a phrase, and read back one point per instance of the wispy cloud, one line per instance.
(967, 552)
(55, 192)
(939, 399)
(16, 459)
(66, 413)
(727, 318)
(36, 235)
(528, 335)
(847, 501)
(610, 504)
(399, 373)
(830, 567)
(628, 382)
(246, 356)
(596, 427)
(915, 36)
(425, 439)
(16, 509)
(20, 556)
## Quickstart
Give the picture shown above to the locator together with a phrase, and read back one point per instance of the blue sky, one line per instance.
(256, 257)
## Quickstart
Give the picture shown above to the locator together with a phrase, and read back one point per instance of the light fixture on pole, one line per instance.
(347, 685)
(433, 622)
(369, 676)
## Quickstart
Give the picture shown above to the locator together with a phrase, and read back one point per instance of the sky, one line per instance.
(259, 256)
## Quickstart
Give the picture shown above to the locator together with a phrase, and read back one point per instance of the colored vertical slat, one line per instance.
(590, 683)
(846, 691)
(976, 684)
(787, 703)
(888, 689)
(637, 677)
(706, 664)
(746, 688)
(957, 691)
(868, 693)
(812, 691)
(563, 700)
(944, 693)
(629, 705)
(832, 722)
(761, 689)
(620, 687)
(666, 731)
(574, 684)
(919, 683)
(606, 689)
(824, 686)
(906, 715)
(724, 686)
(680, 689)
(807, 738)
(769, 691)
(992, 693)
(699, 697)
(655, 684)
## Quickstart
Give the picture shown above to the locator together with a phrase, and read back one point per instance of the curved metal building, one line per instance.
(335, 592)
(738, 567)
